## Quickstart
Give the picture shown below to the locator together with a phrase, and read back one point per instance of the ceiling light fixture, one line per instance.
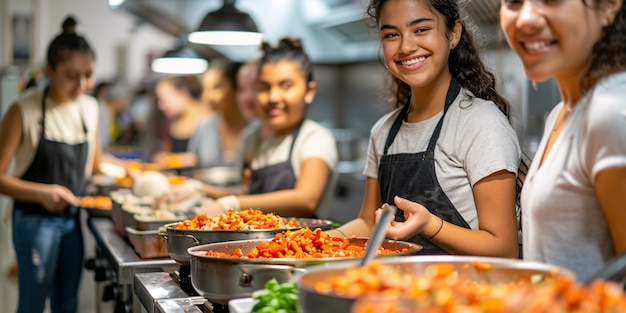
(182, 60)
(227, 26)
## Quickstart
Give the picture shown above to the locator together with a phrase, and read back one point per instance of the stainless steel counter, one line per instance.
(123, 262)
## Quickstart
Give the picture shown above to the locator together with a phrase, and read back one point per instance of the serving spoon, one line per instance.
(378, 233)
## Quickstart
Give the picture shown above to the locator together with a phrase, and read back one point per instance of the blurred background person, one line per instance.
(217, 138)
(51, 134)
(179, 99)
(292, 166)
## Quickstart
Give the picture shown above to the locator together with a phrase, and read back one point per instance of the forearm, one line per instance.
(218, 192)
(22, 190)
(463, 241)
(355, 228)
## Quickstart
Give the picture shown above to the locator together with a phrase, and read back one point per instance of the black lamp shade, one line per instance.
(227, 26)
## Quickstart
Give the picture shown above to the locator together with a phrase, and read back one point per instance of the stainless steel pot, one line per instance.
(504, 270)
(222, 279)
(179, 240)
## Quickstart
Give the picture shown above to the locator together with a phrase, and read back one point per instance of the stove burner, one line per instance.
(182, 278)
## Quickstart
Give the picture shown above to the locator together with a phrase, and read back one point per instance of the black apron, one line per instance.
(275, 177)
(412, 176)
(56, 163)
(180, 145)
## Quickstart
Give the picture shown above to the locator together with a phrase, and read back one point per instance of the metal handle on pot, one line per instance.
(195, 240)
(248, 271)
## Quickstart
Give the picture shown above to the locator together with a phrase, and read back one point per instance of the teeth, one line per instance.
(414, 61)
(536, 44)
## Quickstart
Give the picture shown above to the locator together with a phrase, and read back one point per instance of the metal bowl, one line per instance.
(179, 240)
(503, 270)
(222, 279)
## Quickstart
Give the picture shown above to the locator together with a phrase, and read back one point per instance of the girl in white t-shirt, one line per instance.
(447, 156)
(574, 197)
(291, 159)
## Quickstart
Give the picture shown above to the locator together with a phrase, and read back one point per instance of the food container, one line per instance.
(503, 270)
(219, 176)
(129, 211)
(148, 244)
(222, 279)
(243, 305)
(179, 240)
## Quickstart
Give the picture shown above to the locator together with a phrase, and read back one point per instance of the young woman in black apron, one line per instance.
(447, 156)
(292, 164)
(46, 223)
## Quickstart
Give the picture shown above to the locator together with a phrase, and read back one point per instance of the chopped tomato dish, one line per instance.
(238, 220)
(303, 244)
(441, 289)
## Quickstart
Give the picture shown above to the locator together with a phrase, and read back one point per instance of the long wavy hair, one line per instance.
(607, 55)
(464, 62)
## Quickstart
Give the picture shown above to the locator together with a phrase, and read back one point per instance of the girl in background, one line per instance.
(292, 165)
(447, 155)
(52, 135)
(217, 138)
(573, 198)
(179, 98)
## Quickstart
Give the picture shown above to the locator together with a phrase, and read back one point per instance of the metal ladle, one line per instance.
(378, 233)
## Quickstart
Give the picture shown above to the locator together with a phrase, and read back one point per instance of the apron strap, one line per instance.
(395, 128)
(295, 136)
(453, 92)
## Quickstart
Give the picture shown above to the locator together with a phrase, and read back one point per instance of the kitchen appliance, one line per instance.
(232, 278)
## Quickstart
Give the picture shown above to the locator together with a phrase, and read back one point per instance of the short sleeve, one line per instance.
(487, 143)
(605, 143)
(319, 142)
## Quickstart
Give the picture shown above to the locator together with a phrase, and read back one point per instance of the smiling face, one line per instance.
(72, 77)
(218, 91)
(416, 44)
(282, 95)
(171, 101)
(553, 38)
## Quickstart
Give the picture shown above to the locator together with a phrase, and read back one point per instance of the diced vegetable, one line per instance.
(276, 298)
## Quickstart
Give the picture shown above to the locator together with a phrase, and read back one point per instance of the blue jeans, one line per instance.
(49, 251)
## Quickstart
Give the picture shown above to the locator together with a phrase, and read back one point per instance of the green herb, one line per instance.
(276, 298)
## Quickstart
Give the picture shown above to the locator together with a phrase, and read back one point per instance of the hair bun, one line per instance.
(291, 43)
(69, 25)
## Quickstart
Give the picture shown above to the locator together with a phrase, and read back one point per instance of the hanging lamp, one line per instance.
(181, 60)
(227, 26)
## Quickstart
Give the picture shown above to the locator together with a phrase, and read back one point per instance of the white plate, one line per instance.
(243, 305)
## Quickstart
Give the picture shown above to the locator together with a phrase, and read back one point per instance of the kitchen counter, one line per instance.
(122, 262)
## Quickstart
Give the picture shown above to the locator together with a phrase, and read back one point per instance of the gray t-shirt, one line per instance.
(476, 141)
(206, 145)
(563, 221)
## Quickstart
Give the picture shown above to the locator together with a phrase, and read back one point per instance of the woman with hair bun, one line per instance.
(52, 135)
(291, 158)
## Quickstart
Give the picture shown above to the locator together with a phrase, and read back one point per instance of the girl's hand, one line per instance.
(210, 209)
(416, 215)
(57, 198)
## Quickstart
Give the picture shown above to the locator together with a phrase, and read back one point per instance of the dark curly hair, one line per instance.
(464, 62)
(66, 42)
(288, 49)
(607, 56)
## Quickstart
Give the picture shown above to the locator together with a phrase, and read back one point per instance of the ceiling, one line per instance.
(332, 31)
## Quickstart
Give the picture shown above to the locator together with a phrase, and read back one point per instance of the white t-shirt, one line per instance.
(64, 123)
(476, 140)
(313, 141)
(562, 221)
